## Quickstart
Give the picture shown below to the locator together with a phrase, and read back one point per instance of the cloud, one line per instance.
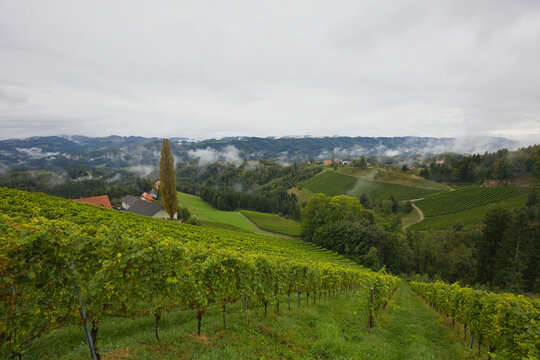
(36, 153)
(203, 70)
(115, 178)
(229, 154)
(142, 170)
(391, 152)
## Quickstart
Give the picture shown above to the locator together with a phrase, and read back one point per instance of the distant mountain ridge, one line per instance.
(124, 151)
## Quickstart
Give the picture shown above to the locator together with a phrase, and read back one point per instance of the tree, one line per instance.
(362, 162)
(494, 230)
(167, 176)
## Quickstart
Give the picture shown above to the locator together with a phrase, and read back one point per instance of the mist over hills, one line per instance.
(120, 151)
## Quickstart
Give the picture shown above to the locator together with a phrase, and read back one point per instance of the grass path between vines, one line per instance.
(408, 329)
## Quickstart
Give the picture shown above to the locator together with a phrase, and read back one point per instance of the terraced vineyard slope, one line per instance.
(467, 198)
(336, 183)
(58, 255)
(467, 205)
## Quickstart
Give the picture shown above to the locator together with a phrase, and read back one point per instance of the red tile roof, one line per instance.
(147, 197)
(102, 200)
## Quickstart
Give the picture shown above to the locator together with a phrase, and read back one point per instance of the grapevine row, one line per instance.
(466, 198)
(28, 205)
(508, 324)
(48, 264)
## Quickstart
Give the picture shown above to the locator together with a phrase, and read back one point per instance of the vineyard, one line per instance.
(467, 198)
(509, 325)
(273, 223)
(62, 261)
(335, 183)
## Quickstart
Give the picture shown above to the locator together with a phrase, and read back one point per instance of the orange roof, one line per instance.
(327, 161)
(148, 197)
(102, 200)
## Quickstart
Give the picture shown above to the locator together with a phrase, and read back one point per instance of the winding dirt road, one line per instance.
(417, 209)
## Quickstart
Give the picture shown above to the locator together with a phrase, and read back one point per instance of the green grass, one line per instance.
(467, 217)
(337, 329)
(273, 223)
(204, 211)
(302, 195)
(335, 183)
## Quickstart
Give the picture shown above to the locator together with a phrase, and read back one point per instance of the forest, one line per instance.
(499, 165)
(502, 254)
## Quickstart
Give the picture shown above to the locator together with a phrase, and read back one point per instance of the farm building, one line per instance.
(147, 197)
(102, 201)
(146, 208)
(128, 200)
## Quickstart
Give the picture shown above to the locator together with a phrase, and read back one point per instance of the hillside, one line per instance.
(273, 223)
(147, 285)
(352, 182)
(119, 152)
(407, 178)
(467, 205)
(202, 210)
(57, 253)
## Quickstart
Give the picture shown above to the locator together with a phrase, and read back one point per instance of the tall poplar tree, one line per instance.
(167, 176)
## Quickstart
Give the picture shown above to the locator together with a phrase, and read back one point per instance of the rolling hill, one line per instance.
(273, 223)
(202, 210)
(467, 205)
(343, 182)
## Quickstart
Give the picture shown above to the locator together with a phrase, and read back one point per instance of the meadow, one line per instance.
(202, 210)
(273, 223)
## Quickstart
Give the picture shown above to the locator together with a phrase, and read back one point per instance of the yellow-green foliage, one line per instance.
(129, 265)
(508, 322)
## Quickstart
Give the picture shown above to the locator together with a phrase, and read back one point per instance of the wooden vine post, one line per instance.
(85, 320)
(245, 309)
(370, 307)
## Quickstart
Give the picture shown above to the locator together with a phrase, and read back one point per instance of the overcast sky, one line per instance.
(203, 69)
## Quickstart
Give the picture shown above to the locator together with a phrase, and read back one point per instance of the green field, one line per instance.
(467, 217)
(273, 223)
(399, 177)
(204, 211)
(335, 183)
(467, 198)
